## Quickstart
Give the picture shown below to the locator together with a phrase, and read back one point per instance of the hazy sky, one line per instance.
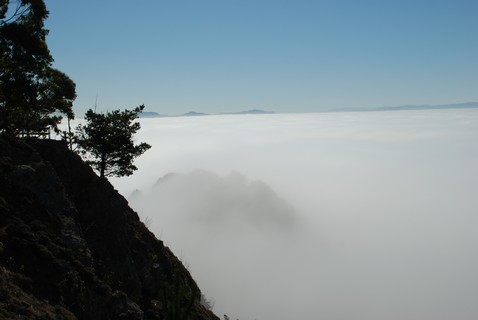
(286, 56)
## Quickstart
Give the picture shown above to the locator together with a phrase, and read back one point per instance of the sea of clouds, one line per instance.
(364, 216)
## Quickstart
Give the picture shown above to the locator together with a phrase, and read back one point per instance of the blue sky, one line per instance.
(215, 56)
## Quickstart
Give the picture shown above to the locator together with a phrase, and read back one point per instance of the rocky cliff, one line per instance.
(71, 248)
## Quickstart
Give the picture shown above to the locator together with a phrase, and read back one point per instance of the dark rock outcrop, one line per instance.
(71, 248)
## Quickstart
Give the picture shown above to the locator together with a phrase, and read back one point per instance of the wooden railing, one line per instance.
(41, 134)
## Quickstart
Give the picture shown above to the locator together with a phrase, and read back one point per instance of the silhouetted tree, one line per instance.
(33, 95)
(106, 141)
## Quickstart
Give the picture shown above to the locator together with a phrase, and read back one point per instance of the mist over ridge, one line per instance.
(207, 198)
(384, 206)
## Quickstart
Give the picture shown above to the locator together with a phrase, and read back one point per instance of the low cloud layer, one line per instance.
(207, 198)
(331, 216)
(201, 202)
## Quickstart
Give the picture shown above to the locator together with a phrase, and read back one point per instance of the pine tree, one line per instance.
(106, 141)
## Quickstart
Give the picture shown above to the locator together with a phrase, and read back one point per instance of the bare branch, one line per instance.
(19, 12)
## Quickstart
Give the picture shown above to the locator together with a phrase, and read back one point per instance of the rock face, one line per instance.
(71, 248)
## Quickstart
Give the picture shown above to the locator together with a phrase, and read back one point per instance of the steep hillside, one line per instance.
(71, 248)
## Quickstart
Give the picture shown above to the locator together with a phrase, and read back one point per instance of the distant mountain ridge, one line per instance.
(252, 111)
(193, 114)
(465, 105)
(427, 106)
(152, 114)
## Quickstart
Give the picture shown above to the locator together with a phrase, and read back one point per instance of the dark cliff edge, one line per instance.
(71, 248)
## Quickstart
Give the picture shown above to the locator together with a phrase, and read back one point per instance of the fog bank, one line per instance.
(319, 216)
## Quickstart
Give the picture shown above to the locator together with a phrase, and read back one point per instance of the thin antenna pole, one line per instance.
(96, 101)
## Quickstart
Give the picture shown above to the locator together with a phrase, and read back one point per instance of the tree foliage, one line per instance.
(33, 95)
(106, 141)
